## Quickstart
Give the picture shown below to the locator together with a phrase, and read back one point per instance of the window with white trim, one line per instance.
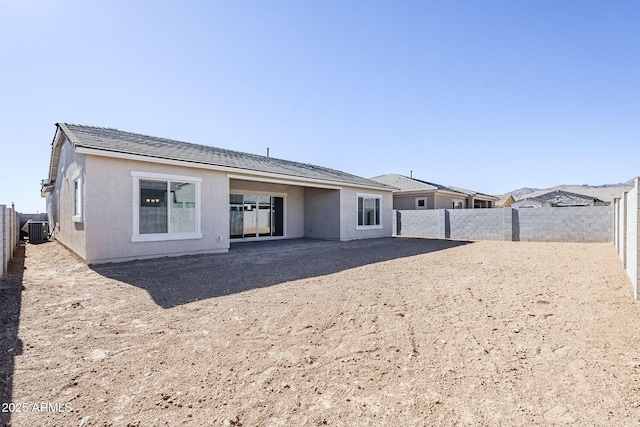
(368, 211)
(458, 204)
(421, 203)
(77, 199)
(165, 207)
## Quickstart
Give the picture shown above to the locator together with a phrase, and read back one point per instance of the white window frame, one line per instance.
(78, 199)
(418, 199)
(137, 176)
(368, 196)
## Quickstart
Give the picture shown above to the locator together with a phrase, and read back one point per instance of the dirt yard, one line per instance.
(385, 332)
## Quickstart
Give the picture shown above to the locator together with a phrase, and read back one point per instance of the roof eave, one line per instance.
(56, 147)
(178, 162)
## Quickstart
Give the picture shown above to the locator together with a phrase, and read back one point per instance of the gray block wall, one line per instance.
(9, 235)
(570, 224)
(3, 242)
(428, 223)
(579, 224)
(627, 229)
(480, 224)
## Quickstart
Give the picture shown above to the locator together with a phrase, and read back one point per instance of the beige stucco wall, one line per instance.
(409, 202)
(322, 213)
(294, 202)
(446, 202)
(60, 202)
(349, 209)
(109, 211)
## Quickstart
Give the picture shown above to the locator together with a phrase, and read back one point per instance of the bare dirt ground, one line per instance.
(383, 332)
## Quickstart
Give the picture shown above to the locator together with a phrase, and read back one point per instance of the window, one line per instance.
(421, 203)
(165, 207)
(368, 212)
(77, 199)
(458, 204)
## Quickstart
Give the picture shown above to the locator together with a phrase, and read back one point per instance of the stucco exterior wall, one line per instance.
(349, 209)
(294, 202)
(401, 202)
(109, 212)
(446, 202)
(61, 201)
(322, 213)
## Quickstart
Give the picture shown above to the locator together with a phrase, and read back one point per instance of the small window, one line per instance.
(368, 212)
(77, 199)
(421, 203)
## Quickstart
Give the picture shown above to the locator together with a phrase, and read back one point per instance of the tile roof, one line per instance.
(404, 183)
(117, 141)
(563, 198)
(472, 193)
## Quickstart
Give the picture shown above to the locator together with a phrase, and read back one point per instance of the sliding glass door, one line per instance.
(250, 211)
(256, 216)
(236, 217)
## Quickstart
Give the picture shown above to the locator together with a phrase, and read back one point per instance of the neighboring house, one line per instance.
(116, 196)
(505, 201)
(414, 193)
(558, 198)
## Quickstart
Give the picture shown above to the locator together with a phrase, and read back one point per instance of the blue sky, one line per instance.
(487, 95)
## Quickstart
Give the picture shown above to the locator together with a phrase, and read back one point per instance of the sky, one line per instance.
(487, 95)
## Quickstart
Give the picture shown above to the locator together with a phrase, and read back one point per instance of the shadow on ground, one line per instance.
(10, 344)
(249, 265)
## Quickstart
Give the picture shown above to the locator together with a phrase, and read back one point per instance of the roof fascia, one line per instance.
(483, 197)
(453, 193)
(415, 192)
(70, 136)
(301, 181)
(56, 147)
(281, 181)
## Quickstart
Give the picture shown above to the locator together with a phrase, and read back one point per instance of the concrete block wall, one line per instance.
(619, 225)
(569, 224)
(428, 223)
(579, 224)
(480, 224)
(9, 235)
(627, 239)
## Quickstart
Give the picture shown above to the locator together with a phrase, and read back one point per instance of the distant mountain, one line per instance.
(604, 192)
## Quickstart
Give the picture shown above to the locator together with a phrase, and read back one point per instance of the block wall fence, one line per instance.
(626, 211)
(9, 235)
(570, 224)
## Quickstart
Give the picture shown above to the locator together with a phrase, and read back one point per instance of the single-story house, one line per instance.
(116, 196)
(412, 193)
(558, 198)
